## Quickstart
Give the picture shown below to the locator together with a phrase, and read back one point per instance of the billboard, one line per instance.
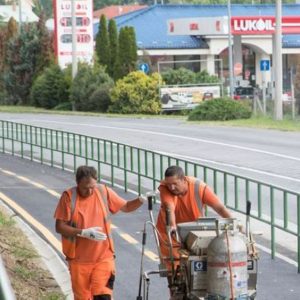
(188, 97)
(63, 31)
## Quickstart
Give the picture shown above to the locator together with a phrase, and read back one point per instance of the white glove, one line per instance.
(93, 233)
(142, 199)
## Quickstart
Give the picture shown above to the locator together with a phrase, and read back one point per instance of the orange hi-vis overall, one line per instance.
(69, 243)
(91, 263)
(187, 208)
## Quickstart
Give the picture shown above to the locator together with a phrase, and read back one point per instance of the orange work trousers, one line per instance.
(89, 280)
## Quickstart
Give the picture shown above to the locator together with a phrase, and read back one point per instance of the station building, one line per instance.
(197, 49)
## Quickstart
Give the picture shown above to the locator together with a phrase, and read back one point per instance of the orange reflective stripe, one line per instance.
(197, 196)
(69, 243)
(102, 196)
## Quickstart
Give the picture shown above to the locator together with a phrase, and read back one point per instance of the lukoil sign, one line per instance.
(253, 25)
(262, 25)
(243, 25)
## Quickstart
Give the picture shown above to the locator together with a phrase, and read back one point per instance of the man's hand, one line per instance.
(93, 233)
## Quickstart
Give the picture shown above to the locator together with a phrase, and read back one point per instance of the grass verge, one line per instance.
(262, 122)
(29, 278)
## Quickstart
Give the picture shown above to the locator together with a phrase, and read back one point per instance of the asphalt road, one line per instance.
(264, 155)
(267, 155)
(277, 279)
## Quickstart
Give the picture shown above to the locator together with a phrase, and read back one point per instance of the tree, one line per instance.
(90, 90)
(12, 28)
(50, 88)
(21, 62)
(113, 42)
(136, 93)
(45, 55)
(297, 87)
(102, 43)
(132, 49)
(127, 52)
(7, 33)
(103, 3)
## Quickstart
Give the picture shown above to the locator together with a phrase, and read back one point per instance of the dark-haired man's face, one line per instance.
(176, 185)
(86, 186)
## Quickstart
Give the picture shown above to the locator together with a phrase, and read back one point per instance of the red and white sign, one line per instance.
(263, 25)
(198, 26)
(252, 25)
(63, 31)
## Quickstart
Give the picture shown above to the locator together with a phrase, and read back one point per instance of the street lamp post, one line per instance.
(230, 60)
(278, 63)
(74, 40)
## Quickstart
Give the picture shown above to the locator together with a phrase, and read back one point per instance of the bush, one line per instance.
(220, 109)
(64, 106)
(136, 93)
(186, 76)
(50, 88)
(91, 87)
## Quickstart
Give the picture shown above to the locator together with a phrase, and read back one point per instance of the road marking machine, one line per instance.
(216, 261)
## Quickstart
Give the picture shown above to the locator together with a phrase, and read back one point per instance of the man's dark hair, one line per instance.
(85, 172)
(174, 171)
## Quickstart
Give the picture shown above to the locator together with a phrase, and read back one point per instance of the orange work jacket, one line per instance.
(187, 208)
(69, 243)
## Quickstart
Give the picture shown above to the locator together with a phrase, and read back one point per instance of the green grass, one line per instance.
(30, 109)
(23, 253)
(53, 296)
(25, 273)
(255, 122)
(5, 221)
(258, 122)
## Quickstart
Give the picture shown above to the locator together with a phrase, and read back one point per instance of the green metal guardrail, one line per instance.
(276, 206)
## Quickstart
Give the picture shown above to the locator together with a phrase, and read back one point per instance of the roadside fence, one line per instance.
(142, 169)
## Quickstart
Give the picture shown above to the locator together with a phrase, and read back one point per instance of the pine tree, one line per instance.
(123, 54)
(127, 52)
(6, 34)
(132, 49)
(102, 43)
(21, 58)
(45, 56)
(113, 42)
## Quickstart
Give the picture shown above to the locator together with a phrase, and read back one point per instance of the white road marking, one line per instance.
(179, 137)
(29, 219)
(228, 165)
(48, 235)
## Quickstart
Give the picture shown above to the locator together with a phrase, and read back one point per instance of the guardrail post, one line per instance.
(112, 163)
(225, 188)
(272, 222)
(125, 167)
(139, 171)
(236, 193)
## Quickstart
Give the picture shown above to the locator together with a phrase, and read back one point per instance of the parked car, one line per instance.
(241, 93)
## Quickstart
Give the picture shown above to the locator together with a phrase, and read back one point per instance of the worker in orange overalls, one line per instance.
(83, 219)
(185, 198)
